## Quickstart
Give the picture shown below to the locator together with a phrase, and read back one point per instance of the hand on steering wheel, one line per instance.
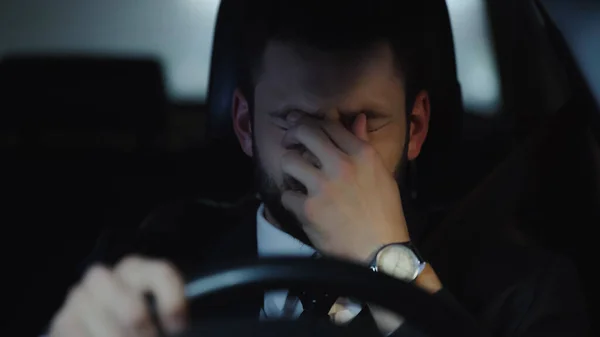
(112, 302)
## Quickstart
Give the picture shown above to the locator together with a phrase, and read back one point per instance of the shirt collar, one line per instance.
(272, 241)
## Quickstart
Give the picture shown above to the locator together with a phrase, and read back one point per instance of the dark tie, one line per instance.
(315, 304)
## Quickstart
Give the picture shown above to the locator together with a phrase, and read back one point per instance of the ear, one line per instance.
(419, 125)
(242, 121)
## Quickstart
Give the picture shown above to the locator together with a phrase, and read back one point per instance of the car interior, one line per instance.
(94, 144)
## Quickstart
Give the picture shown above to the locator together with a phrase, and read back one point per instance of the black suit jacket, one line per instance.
(501, 289)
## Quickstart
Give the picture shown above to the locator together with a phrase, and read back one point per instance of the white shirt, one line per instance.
(273, 242)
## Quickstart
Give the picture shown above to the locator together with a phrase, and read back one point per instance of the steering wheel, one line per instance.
(423, 311)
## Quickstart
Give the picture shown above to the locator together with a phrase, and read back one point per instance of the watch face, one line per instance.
(398, 261)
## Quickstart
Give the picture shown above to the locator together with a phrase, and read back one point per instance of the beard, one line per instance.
(270, 194)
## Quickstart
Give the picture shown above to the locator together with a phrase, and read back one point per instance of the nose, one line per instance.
(334, 115)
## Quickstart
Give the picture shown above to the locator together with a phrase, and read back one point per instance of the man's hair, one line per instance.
(344, 27)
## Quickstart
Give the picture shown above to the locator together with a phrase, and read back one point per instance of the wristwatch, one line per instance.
(399, 260)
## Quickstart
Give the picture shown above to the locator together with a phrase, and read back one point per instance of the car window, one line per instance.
(475, 58)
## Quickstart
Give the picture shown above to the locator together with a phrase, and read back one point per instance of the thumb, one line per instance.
(359, 128)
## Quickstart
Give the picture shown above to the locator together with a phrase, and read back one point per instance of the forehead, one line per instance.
(309, 76)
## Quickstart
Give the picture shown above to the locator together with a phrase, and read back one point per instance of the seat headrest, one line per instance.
(222, 81)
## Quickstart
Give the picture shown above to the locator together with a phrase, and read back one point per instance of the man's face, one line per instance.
(326, 87)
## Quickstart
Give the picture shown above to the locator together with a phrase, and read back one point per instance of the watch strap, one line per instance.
(412, 247)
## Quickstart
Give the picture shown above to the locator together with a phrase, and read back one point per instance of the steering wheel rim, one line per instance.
(422, 310)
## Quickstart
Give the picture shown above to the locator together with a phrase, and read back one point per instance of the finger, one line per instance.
(293, 164)
(310, 134)
(344, 139)
(96, 321)
(113, 297)
(294, 202)
(310, 158)
(360, 127)
(163, 281)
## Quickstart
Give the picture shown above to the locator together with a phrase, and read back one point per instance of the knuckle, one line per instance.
(165, 269)
(166, 274)
(96, 275)
(130, 261)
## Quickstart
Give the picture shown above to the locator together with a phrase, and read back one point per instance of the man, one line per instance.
(331, 106)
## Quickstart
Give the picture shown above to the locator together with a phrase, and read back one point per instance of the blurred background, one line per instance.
(103, 118)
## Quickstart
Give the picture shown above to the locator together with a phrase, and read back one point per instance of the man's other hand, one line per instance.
(112, 302)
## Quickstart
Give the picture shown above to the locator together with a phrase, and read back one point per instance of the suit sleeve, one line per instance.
(469, 323)
(557, 307)
(547, 305)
